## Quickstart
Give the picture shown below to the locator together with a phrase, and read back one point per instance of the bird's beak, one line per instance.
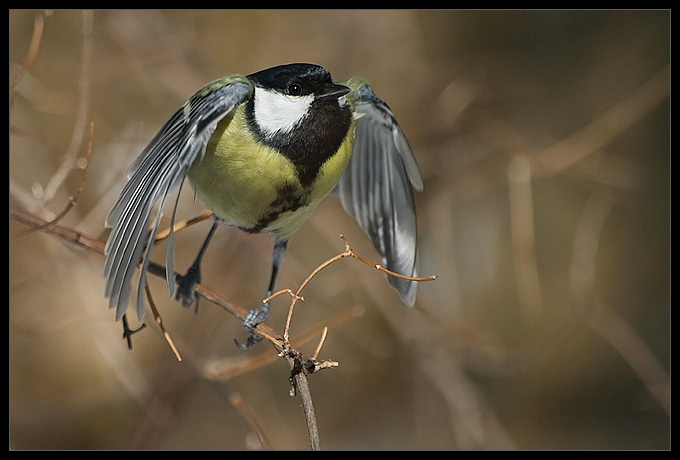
(334, 90)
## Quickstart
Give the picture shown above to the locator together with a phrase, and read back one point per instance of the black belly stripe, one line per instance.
(290, 198)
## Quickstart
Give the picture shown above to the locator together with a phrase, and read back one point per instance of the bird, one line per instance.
(261, 152)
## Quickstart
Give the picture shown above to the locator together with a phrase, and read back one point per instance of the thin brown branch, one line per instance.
(299, 367)
(315, 355)
(159, 320)
(283, 291)
(223, 369)
(69, 235)
(348, 252)
(82, 241)
(300, 387)
(379, 267)
(164, 234)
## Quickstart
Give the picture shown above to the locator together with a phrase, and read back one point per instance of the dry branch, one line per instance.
(300, 367)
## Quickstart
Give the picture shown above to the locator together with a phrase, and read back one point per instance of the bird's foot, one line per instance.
(186, 289)
(254, 318)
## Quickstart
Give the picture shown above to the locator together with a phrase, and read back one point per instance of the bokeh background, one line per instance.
(543, 139)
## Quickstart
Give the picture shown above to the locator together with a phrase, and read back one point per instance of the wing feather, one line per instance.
(377, 187)
(160, 168)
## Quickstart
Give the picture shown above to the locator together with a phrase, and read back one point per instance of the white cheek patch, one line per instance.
(276, 112)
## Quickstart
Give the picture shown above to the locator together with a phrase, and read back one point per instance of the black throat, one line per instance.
(313, 141)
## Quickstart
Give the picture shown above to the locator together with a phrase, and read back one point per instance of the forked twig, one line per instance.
(348, 252)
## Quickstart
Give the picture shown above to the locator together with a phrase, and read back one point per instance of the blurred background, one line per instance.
(543, 139)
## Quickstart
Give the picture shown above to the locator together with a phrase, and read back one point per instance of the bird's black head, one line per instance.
(298, 80)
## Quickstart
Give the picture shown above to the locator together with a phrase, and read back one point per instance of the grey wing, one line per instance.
(161, 167)
(377, 190)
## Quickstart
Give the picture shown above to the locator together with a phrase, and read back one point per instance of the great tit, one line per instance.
(261, 152)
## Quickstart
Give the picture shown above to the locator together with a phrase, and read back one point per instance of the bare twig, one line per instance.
(159, 320)
(164, 234)
(301, 386)
(348, 252)
(223, 369)
(299, 367)
(67, 234)
(75, 238)
(321, 341)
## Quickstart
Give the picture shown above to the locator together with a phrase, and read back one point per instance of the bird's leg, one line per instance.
(128, 333)
(186, 290)
(261, 314)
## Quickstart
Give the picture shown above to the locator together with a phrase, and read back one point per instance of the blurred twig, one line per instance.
(569, 152)
(243, 408)
(605, 128)
(603, 319)
(82, 113)
(528, 162)
(558, 157)
(36, 38)
(521, 211)
(67, 234)
(628, 343)
(37, 201)
(586, 241)
(73, 199)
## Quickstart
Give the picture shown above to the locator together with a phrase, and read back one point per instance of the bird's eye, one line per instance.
(295, 89)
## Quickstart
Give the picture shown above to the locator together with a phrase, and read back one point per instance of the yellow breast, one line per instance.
(255, 188)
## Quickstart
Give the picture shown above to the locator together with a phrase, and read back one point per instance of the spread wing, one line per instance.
(377, 186)
(160, 168)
